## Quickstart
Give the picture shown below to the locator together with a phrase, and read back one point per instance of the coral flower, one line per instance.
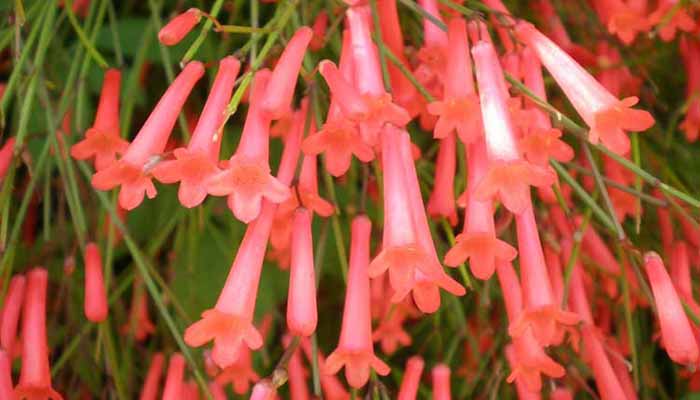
(35, 377)
(670, 18)
(354, 349)
(319, 28)
(509, 176)
(459, 111)
(390, 332)
(411, 378)
(680, 270)
(178, 27)
(102, 140)
(541, 311)
(151, 384)
(441, 382)
(298, 390)
(246, 179)
(478, 242)
(607, 116)
(690, 52)
(402, 89)
(6, 152)
(301, 301)
(263, 390)
(241, 373)
(626, 20)
(230, 322)
(442, 199)
(174, 380)
(9, 319)
(95, 304)
(528, 359)
(676, 332)
(279, 90)
(407, 249)
(307, 189)
(132, 170)
(139, 324)
(432, 56)
(196, 163)
(5, 375)
(330, 384)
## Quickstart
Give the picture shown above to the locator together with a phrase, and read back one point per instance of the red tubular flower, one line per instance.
(6, 152)
(5, 375)
(263, 390)
(35, 377)
(442, 199)
(339, 138)
(509, 176)
(298, 390)
(368, 105)
(669, 18)
(676, 332)
(355, 350)
(12, 305)
(230, 322)
(330, 384)
(441, 382)
(595, 247)
(217, 392)
(307, 189)
(102, 140)
(478, 242)
(690, 52)
(174, 380)
(301, 301)
(426, 292)
(390, 332)
(197, 163)
(149, 391)
(625, 20)
(524, 392)
(680, 270)
(542, 142)
(432, 56)
(178, 27)
(139, 324)
(132, 170)
(528, 359)
(541, 311)
(95, 304)
(607, 116)
(459, 110)
(561, 393)
(411, 378)
(240, 373)
(663, 220)
(406, 250)
(246, 179)
(280, 88)
(319, 28)
(402, 89)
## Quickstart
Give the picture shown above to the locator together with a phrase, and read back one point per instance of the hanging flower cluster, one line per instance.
(449, 137)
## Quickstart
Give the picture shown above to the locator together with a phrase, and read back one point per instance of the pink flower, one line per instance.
(355, 350)
(132, 171)
(263, 390)
(280, 87)
(102, 140)
(509, 176)
(240, 373)
(296, 372)
(478, 242)
(5, 375)
(230, 322)
(95, 304)
(12, 305)
(459, 110)
(541, 311)
(35, 377)
(178, 27)
(411, 378)
(197, 163)
(330, 384)
(669, 18)
(301, 301)
(441, 382)
(174, 380)
(607, 116)
(676, 332)
(151, 384)
(6, 153)
(442, 199)
(690, 52)
(307, 189)
(246, 177)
